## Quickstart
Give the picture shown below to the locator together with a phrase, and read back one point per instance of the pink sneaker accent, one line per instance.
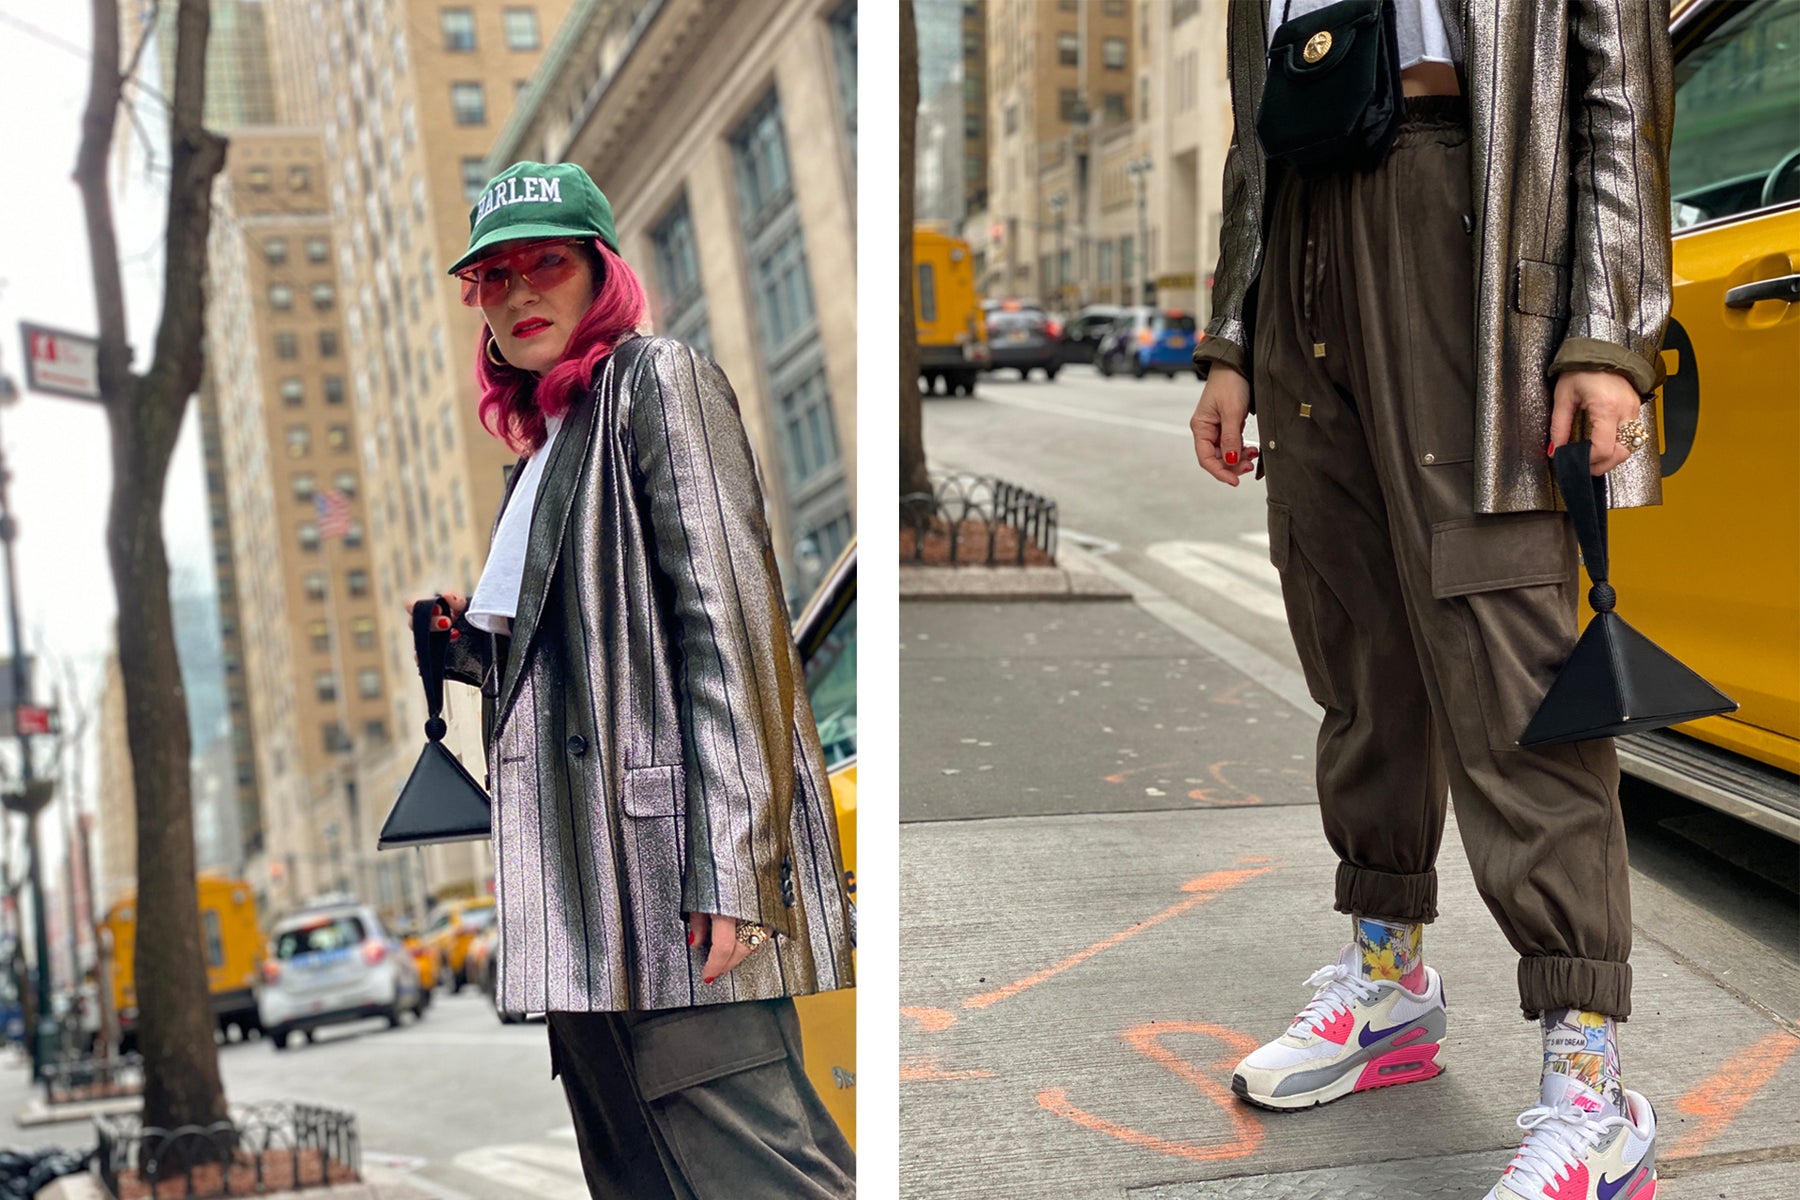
(1409, 1037)
(1575, 1187)
(1402, 1066)
(1648, 1193)
(1338, 1028)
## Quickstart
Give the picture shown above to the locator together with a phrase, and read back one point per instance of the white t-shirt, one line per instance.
(1418, 24)
(496, 598)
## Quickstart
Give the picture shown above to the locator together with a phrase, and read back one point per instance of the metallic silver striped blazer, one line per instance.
(651, 747)
(1573, 104)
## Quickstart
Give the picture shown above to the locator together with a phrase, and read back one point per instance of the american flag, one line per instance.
(334, 513)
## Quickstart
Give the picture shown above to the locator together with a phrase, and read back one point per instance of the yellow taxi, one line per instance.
(453, 925)
(423, 957)
(825, 632)
(947, 313)
(231, 941)
(1713, 574)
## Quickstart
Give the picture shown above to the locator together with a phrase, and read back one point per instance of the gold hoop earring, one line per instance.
(492, 356)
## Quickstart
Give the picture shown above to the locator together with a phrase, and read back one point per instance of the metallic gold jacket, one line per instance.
(1572, 105)
(651, 747)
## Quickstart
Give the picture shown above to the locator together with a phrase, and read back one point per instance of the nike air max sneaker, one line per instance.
(1356, 1034)
(1571, 1152)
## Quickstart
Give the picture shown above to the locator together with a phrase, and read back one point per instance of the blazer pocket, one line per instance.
(1541, 289)
(655, 791)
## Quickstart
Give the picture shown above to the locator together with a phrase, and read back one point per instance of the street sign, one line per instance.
(32, 718)
(61, 363)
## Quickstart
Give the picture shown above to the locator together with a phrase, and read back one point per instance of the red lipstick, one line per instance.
(530, 328)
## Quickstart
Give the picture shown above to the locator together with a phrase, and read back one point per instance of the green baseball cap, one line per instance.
(537, 200)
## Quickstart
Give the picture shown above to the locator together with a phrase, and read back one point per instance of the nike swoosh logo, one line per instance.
(1606, 1189)
(1371, 1035)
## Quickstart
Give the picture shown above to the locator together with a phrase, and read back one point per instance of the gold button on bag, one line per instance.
(1318, 46)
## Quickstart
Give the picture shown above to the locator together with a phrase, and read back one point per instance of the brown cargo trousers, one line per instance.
(1428, 633)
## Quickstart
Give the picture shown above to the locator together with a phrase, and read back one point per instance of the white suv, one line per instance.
(333, 964)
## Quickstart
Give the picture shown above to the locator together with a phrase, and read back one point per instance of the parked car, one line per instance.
(453, 925)
(1081, 335)
(430, 974)
(1146, 340)
(1022, 339)
(950, 323)
(331, 965)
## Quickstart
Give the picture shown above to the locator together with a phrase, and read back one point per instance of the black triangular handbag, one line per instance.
(441, 801)
(1616, 680)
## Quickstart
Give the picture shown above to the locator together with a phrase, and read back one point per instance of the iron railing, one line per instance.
(72, 1080)
(984, 520)
(262, 1148)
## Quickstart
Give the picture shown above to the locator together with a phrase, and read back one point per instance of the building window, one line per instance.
(334, 389)
(474, 176)
(328, 344)
(293, 392)
(318, 249)
(258, 178)
(319, 634)
(281, 297)
(338, 437)
(368, 683)
(336, 740)
(809, 431)
(459, 29)
(469, 103)
(299, 441)
(1144, 98)
(345, 482)
(287, 345)
(843, 45)
(1068, 104)
(357, 582)
(375, 732)
(325, 685)
(521, 28)
(353, 536)
(971, 127)
(677, 260)
(785, 293)
(304, 486)
(309, 535)
(1179, 11)
(1112, 53)
(315, 586)
(275, 250)
(362, 633)
(299, 179)
(324, 295)
(759, 153)
(1114, 103)
(1068, 50)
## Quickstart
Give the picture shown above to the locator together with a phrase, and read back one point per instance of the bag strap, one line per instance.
(1584, 494)
(431, 646)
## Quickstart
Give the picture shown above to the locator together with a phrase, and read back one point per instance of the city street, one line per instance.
(457, 1105)
(1114, 881)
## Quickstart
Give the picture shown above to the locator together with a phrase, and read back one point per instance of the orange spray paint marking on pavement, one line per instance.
(931, 1020)
(1122, 776)
(927, 1070)
(1718, 1100)
(1217, 771)
(1230, 695)
(1199, 892)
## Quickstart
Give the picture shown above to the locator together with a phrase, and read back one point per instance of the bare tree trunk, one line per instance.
(913, 478)
(175, 1024)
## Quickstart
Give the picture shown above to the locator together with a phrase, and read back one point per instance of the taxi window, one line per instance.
(478, 918)
(1736, 144)
(831, 685)
(335, 934)
(215, 938)
(927, 292)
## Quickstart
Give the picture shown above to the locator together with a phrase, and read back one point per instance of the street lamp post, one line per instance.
(1058, 203)
(1139, 168)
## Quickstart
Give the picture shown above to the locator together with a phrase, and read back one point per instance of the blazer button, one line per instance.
(578, 745)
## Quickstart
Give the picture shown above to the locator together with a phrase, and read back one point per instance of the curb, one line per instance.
(89, 1187)
(1075, 580)
(39, 1113)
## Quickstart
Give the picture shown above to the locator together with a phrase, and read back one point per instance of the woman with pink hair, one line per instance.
(667, 867)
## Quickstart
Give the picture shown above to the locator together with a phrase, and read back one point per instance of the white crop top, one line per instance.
(496, 598)
(1419, 25)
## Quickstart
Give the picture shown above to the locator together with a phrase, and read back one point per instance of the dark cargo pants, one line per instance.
(1428, 633)
(704, 1103)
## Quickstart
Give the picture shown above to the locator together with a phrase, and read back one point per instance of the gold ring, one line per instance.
(750, 934)
(1633, 435)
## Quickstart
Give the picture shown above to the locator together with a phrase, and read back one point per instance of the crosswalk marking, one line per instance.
(541, 1169)
(1088, 414)
(1243, 577)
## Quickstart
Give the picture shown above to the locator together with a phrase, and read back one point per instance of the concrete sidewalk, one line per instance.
(1113, 882)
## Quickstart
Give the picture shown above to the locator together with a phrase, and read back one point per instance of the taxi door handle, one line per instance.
(1786, 287)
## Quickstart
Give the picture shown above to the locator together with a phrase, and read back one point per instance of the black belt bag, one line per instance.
(1332, 99)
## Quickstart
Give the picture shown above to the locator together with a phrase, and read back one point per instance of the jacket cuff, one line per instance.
(1213, 348)
(1592, 354)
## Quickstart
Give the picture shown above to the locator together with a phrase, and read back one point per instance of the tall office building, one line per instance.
(725, 137)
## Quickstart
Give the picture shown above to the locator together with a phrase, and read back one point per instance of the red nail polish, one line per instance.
(708, 979)
(1550, 450)
(690, 939)
(1231, 458)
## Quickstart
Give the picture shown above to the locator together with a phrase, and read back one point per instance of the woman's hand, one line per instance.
(721, 932)
(1608, 399)
(1218, 425)
(457, 605)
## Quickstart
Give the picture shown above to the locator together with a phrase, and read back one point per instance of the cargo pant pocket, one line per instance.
(1509, 581)
(1303, 594)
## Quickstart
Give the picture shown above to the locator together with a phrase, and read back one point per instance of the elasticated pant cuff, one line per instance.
(1586, 984)
(1367, 893)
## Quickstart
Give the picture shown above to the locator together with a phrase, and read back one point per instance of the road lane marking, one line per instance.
(1199, 892)
(1233, 574)
(1718, 1100)
(1083, 414)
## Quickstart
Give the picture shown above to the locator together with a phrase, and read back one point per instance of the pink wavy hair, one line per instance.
(514, 403)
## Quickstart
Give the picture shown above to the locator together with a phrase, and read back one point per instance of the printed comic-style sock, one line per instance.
(1584, 1046)
(1392, 950)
